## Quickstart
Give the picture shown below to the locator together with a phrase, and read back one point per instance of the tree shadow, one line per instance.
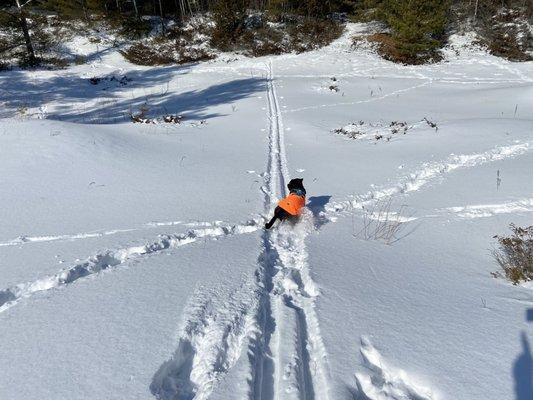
(110, 100)
(317, 206)
(523, 367)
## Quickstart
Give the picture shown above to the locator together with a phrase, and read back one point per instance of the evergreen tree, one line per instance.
(417, 25)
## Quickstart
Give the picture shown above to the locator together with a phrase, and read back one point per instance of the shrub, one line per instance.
(515, 254)
(229, 17)
(133, 28)
(262, 42)
(80, 59)
(55, 62)
(4, 66)
(164, 53)
(509, 36)
(292, 33)
(142, 54)
(311, 34)
(193, 55)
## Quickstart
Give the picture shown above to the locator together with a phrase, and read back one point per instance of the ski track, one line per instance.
(114, 258)
(288, 358)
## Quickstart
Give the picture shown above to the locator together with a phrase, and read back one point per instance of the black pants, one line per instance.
(279, 213)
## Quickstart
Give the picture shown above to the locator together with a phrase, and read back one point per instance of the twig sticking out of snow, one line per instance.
(381, 223)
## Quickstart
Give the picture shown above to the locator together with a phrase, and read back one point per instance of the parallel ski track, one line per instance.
(289, 337)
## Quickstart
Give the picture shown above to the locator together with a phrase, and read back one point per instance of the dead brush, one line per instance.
(146, 54)
(141, 117)
(380, 222)
(515, 254)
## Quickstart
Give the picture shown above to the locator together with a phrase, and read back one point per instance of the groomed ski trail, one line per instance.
(289, 358)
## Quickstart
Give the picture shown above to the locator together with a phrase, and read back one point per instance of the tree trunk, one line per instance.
(136, 9)
(161, 16)
(26, 32)
(84, 6)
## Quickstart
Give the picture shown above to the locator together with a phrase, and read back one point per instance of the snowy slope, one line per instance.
(133, 263)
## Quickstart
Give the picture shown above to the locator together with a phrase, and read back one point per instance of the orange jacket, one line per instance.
(292, 204)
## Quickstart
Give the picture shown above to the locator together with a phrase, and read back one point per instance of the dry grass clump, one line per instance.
(515, 254)
(380, 222)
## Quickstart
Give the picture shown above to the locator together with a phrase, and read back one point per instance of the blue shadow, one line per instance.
(523, 367)
(111, 102)
(317, 205)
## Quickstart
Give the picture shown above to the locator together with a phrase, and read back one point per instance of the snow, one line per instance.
(133, 262)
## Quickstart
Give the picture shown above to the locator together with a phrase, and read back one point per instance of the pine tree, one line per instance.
(417, 25)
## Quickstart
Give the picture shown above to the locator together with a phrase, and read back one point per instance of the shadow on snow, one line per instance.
(523, 367)
(75, 99)
(317, 206)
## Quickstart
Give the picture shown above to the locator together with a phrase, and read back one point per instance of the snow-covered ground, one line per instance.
(133, 263)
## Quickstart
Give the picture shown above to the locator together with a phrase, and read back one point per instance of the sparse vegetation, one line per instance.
(143, 54)
(379, 222)
(296, 34)
(176, 45)
(376, 131)
(229, 17)
(413, 31)
(515, 254)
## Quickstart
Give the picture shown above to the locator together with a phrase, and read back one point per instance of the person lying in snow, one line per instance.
(290, 206)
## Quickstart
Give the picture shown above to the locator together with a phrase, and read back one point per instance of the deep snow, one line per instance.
(133, 263)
